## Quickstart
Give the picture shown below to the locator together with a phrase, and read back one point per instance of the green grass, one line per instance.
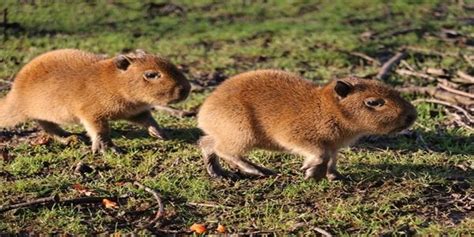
(397, 184)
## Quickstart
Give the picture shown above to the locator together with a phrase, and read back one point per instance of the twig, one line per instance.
(463, 111)
(466, 77)
(456, 91)
(448, 83)
(404, 72)
(40, 201)
(438, 94)
(321, 231)
(387, 66)
(156, 195)
(363, 56)
(208, 205)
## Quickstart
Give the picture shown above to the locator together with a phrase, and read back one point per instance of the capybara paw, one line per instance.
(222, 174)
(157, 133)
(316, 172)
(103, 147)
(334, 175)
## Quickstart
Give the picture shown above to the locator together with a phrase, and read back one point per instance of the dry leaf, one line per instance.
(109, 204)
(221, 228)
(82, 190)
(40, 140)
(198, 228)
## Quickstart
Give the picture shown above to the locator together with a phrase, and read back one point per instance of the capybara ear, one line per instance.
(122, 62)
(343, 88)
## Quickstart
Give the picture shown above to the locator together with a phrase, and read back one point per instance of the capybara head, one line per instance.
(372, 106)
(151, 79)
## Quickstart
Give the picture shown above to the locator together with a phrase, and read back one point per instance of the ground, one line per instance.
(416, 183)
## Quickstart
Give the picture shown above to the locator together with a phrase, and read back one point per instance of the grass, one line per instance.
(397, 185)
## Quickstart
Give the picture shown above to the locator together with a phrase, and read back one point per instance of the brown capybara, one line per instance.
(276, 110)
(72, 86)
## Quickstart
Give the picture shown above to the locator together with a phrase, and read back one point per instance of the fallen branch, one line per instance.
(445, 103)
(156, 195)
(40, 201)
(387, 66)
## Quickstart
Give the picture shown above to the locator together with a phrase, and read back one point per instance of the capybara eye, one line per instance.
(374, 102)
(152, 75)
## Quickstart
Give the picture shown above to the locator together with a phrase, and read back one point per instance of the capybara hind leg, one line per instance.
(245, 166)
(57, 132)
(211, 160)
(52, 129)
(146, 120)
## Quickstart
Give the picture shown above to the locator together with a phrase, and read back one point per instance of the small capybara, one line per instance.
(72, 86)
(276, 110)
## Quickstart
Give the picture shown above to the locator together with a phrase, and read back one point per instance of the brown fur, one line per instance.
(73, 86)
(277, 110)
